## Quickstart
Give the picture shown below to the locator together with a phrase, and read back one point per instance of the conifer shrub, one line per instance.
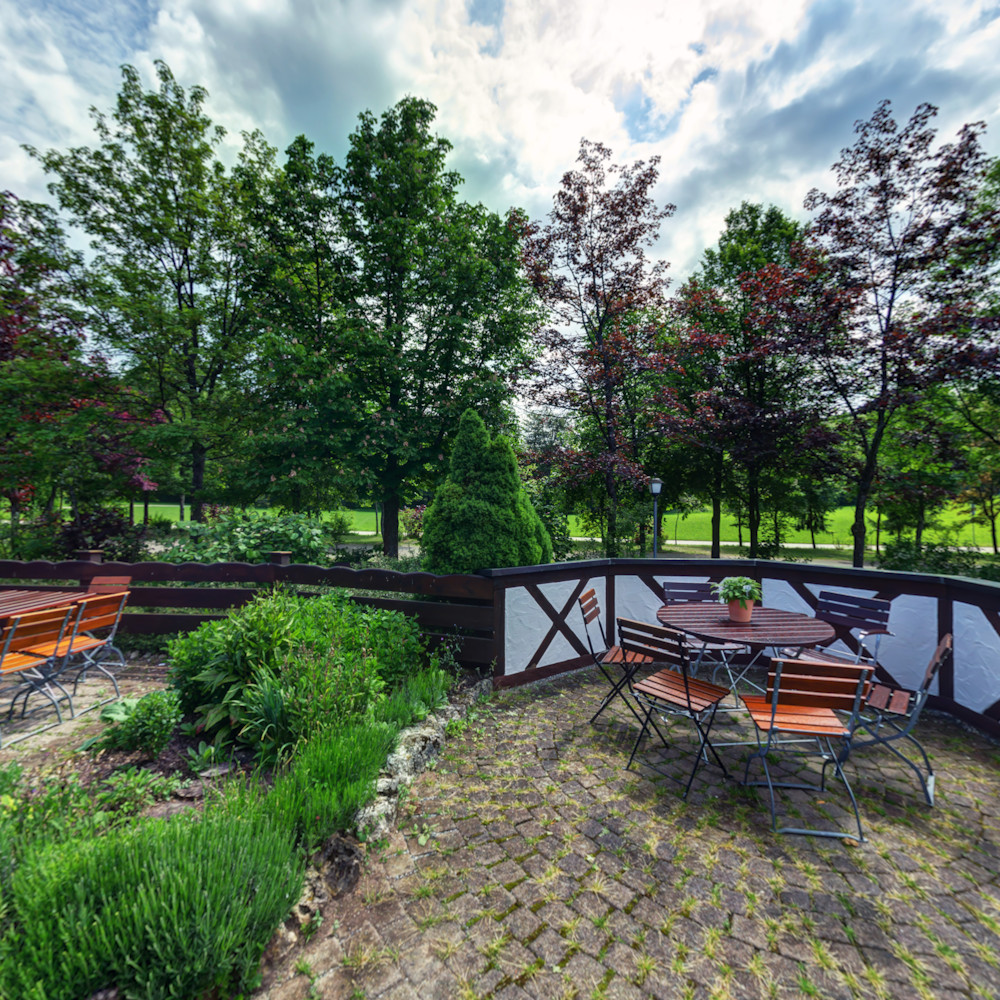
(481, 516)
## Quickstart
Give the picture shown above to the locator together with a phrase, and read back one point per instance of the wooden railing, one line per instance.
(445, 606)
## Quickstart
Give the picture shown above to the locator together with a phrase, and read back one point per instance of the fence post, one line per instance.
(89, 555)
(280, 558)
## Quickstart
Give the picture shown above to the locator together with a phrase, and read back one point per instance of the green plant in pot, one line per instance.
(739, 592)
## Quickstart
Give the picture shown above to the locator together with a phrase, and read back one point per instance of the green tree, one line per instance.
(600, 357)
(910, 256)
(438, 311)
(481, 516)
(743, 385)
(66, 426)
(168, 284)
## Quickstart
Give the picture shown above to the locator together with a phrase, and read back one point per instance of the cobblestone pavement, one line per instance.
(530, 864)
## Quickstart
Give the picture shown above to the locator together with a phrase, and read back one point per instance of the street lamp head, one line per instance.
(655, 485)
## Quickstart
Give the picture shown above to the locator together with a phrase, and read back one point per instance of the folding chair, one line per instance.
(81, 649)
(605, 656)
(671, 692)
(800, 707)
(27, 670)
(892, 713)
(858, 618)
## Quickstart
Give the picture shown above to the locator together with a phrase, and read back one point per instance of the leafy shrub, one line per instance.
(170, 909)
(315, 687)
(213, 667)
(104, 529)
(249, 536)
(938, 558)
(481, 516)
(145, 723)
(412, 520)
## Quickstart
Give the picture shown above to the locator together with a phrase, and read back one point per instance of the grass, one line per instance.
(696, 527)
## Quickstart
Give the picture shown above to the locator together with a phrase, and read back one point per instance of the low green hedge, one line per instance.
(169, 909)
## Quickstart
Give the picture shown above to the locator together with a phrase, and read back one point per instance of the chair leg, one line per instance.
(926, 783)
(617, 689)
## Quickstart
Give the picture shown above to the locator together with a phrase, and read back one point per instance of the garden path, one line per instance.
(529, 864)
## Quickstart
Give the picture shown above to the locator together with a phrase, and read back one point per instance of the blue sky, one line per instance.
(741, 100)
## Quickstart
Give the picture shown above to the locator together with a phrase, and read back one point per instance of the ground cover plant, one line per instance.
(94, 895)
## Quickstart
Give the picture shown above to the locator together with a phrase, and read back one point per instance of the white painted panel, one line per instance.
(633, 599)
(977, 658)
(526, 625)
(913, 622)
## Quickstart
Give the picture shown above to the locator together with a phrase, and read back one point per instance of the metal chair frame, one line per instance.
(891, 714)
(672, 691)
(82, 650)
(802, 699)
(610, 656)
(32, 669)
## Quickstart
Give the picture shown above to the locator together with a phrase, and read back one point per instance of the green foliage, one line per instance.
(221, 670)
(416, 698)
(481, 517)
(315, 687)
(249, 536)
(171, 909)
(938, 558)
(332, 777)
(144, 724)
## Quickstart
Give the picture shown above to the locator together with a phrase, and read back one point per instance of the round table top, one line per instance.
(767, 626)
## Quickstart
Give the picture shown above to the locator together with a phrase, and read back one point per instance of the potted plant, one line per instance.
(739, 592)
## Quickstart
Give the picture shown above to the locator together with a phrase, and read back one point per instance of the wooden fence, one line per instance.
(525, 623)
(169, 597)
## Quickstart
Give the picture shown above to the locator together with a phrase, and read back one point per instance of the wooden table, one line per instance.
(16, 602)
(767, 626)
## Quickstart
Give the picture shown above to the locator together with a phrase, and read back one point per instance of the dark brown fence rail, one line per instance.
(456, 605)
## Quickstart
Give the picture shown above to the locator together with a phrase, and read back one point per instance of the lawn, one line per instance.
(697, 527)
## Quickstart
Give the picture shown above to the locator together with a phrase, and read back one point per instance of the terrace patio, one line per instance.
(528, 863)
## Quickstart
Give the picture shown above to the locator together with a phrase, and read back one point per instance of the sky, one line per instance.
(740, 100)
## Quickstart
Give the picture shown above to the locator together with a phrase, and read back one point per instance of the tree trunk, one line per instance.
(15, 523)
(181, 517)
(611, 542)
(390, 525)
(145, 510)
(198, 453)
(919, 538)
(717, 510)
(993, 532)
(753, 512)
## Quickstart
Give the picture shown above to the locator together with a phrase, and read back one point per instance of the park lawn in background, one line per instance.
(696, 527)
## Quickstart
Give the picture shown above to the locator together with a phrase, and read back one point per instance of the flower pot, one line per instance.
(738, 614)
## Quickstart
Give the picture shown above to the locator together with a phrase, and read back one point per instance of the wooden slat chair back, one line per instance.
(862, 617)
(672, 691)
(27, 671)
(798, 715)
(687, 592)
(891, 714)
(108, 584)
(617, 665)
(93, 637)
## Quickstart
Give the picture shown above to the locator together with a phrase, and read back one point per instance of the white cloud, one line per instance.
(741, 100)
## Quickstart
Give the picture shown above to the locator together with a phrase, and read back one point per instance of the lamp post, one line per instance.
(655, 485)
